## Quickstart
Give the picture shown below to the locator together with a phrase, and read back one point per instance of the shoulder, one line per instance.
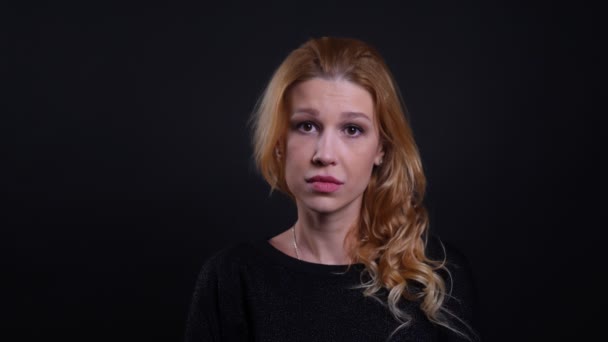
(440, 250)
(461, 291)
(218, 294)
(220, 273)
(458, 272)
(228, 259)
(455, 261)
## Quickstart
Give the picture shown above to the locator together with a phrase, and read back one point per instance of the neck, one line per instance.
(321, 238)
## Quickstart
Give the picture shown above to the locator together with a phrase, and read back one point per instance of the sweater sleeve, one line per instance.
(203, 321)
(461, 299)
(217, 310)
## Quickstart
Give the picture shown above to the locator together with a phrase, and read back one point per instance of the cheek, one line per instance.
(297, 149)
(362, 166)
(364, 157)
(296, 152)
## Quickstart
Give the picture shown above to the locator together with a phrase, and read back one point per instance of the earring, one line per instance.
(277, 152)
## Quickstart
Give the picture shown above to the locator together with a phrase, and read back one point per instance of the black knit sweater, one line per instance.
(254, 292)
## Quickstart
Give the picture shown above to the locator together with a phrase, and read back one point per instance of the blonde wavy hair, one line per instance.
(391, 233)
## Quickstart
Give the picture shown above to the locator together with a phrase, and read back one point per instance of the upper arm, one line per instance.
(217, 311)
(202, 322)
(461, 293)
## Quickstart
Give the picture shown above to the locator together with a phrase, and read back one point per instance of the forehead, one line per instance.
(327, 97)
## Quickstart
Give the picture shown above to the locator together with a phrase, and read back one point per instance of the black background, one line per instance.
(128, 159)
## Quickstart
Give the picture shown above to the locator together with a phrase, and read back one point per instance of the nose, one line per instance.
(324, 150)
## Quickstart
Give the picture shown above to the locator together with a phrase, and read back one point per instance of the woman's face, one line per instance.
(332, 136)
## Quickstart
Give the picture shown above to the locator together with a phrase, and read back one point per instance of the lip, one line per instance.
(324, 179)
(324, 184)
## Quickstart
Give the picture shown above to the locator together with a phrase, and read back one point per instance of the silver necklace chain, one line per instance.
(295, 243)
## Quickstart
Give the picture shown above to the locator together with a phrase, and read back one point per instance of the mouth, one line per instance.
(325, 184)
(324, 179)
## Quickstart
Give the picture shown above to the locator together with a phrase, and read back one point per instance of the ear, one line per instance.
(277, 152)
(379, 156)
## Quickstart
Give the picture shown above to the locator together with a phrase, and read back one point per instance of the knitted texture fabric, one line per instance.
(253, 292)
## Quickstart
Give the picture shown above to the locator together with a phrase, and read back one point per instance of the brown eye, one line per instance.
(353, 131)
(306, 126)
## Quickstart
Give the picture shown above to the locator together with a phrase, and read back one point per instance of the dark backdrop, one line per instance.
(128, 155)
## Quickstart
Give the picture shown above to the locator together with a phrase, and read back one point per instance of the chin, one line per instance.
(324, 205)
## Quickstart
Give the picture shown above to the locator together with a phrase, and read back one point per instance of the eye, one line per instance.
(353, 131)
(305, 126)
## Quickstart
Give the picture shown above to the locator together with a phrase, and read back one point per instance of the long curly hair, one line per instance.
(391, 232)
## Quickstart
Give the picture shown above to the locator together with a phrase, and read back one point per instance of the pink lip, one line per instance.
(324, 183)
(324, 179)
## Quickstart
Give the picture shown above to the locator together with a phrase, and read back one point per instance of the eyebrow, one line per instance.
(350, 115)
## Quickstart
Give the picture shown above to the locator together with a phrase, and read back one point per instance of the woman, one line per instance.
(358, 264)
